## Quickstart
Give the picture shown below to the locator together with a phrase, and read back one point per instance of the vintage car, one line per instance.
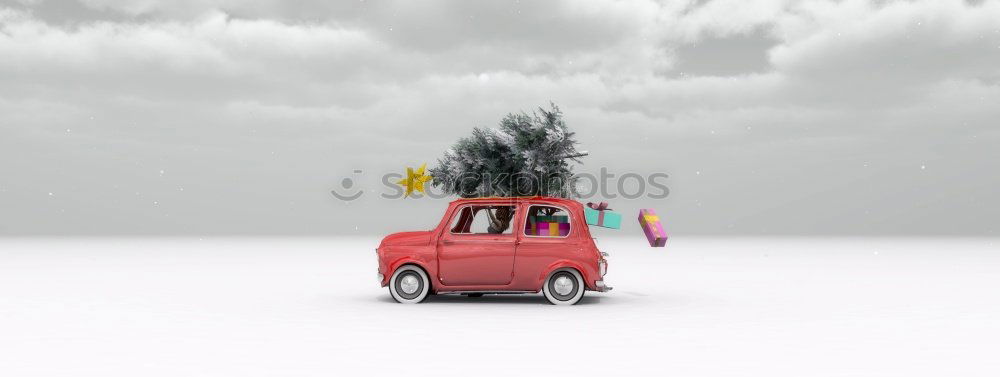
(496, 245)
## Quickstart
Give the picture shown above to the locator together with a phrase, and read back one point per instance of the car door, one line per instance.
(473, 250)
(547, 236)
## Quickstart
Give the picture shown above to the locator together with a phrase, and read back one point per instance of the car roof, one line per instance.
(532, 199)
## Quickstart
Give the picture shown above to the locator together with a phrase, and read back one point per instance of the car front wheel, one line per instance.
(409, 285)
(564, 287)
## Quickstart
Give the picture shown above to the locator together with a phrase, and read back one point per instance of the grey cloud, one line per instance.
(891, 48)
(254, 111)
(736, 55)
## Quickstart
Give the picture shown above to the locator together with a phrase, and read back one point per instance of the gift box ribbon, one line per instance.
(600, 207)
(650, 220)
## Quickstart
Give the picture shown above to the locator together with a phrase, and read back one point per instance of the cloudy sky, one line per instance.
(183, 117)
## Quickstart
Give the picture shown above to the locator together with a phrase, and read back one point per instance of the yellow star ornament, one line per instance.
(414, 180)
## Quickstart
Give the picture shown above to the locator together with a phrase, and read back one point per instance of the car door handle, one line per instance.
(447, 242)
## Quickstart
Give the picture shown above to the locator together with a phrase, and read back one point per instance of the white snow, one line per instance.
(311, 307)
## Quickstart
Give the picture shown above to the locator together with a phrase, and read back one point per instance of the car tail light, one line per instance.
(604, 266)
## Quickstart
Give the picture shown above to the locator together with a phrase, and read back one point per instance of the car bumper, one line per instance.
(601, 287)
(380, 279)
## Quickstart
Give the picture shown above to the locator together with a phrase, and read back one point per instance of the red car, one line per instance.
(496, 245)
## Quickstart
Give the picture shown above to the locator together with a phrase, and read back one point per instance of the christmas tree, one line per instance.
(526, 155)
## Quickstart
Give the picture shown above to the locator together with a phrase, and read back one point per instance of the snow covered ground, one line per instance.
(311, 307)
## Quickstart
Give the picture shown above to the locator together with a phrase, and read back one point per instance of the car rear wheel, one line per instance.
(564, 287)
(409, 284)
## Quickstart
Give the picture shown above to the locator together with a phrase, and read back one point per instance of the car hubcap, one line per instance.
(409, 284)
(563, 285)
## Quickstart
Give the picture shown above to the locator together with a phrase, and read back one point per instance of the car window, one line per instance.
(546, 221)
(483, 219)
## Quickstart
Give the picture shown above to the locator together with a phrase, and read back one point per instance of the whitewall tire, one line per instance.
(409, 284)
(564, 287)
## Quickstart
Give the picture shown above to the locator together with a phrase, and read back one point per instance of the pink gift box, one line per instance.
(651, 225)
(547, 229)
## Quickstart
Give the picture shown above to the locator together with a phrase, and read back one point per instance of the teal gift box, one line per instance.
(602, 217)
(551, 219)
